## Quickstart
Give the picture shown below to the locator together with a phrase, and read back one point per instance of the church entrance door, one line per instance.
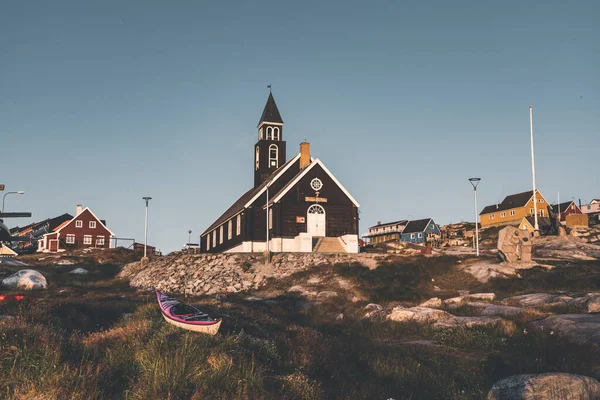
(315, 220)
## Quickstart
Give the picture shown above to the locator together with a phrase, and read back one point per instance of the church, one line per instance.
(295, 205)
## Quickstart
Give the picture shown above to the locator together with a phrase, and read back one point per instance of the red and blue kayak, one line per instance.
(185, 316)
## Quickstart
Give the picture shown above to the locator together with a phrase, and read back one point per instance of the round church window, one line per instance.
(316, 184)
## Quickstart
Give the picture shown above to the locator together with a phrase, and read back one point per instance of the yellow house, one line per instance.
(544, 225)
(513, 209)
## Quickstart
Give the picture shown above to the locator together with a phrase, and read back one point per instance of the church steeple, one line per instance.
(271, 112)
(270, 148)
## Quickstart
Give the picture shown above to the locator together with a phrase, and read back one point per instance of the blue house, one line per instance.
(420, 231)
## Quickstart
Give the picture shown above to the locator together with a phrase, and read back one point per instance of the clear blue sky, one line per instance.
(103, 103)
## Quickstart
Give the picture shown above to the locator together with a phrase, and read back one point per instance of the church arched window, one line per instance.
(273, 156)
(260, 133)
(269, 133)
(275, 133)
(257, 157)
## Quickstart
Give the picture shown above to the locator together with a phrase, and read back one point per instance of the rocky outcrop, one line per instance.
(539, 299)
(577, 328)
(434, 302)
(26, 279)
(590, 302)
(467, 322)
(198, 274)
(496, 310)
(549, 386)
(418, 314)
(80, 271)
(514, 244)
(483, 271)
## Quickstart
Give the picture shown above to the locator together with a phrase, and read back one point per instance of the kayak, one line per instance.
(185, 316)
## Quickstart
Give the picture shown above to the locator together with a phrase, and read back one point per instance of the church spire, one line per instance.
(270, 113)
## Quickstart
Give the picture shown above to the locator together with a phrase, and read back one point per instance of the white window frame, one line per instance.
(491, 216)
(214, 233)
(276, 158)
(540, 200)
(229, 229)
(87, 239)
(79, 224)
(412, 235)
(269, 133)
(100, 240)
(503, 214)
(275, 133)
(92, 224)
(420, 235)
(257, 157)
(270, 218)
(260, 133)
(221, 234)
(238, 225)
(512, 213)
(70, 239)
(208, 242)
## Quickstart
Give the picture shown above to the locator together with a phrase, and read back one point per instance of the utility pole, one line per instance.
(147, 199)
(535, 214)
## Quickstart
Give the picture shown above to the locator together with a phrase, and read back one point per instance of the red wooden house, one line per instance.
(82, 231)
(565, 209)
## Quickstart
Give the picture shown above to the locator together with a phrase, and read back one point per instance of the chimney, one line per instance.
(497, 206)
(378, 222)
(304, 154)
(79, 209)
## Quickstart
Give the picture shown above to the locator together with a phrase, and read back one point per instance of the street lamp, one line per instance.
(535, 211)
(7, 193)
(147, 199)
(189, 236)
(475, 182)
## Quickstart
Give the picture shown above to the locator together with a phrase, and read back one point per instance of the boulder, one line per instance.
(514, 244)
(434, 302)
(539, 299)
(419, 314)
(466, 322)
(548, 386)
(326, 295)
(26, 279)
(80, 271)
(577, 328)
(373, 310)
(495, 310)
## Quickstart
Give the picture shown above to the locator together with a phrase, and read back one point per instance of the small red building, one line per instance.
(139, 248)
(565, 209)
(84, 230)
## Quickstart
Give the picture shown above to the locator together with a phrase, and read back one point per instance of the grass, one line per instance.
(94, 337)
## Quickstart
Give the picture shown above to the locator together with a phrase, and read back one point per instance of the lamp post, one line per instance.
(7, 193)
(147, 199)
(189, 236)
(475, 182)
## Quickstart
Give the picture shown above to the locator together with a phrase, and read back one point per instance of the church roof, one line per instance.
(241, 203)
(270, 113)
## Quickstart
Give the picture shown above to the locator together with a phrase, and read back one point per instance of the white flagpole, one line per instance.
(535, 213)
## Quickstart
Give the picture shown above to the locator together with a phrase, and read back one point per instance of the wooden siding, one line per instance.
(520, 213)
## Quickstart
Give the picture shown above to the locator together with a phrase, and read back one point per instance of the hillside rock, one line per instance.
(434, 302)
(80, 271)
(26, 279)
(466, 322)
(496, 310)
(549, 386)
(419, 314)
(578, 328)
(197, 274)
(539, 299)
(514, 244)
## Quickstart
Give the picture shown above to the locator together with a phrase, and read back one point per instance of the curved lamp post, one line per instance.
(7, 193)
(475, 182)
